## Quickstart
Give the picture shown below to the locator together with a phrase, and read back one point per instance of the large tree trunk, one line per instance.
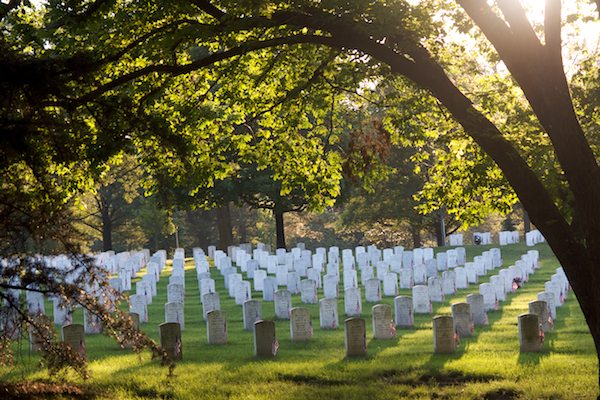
(279, 229)
(415, 232)
(243, 232)
(106, 229)
(224, 227)
(526, 221)
(440, 229)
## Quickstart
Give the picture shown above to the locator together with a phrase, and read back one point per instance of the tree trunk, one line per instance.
(224, 227)
(279, 229)
(440, 229)
(416, 236)
(106, 229)
(243, 232)
(526, 221)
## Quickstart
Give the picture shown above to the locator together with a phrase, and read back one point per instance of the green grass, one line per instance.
(488, 365)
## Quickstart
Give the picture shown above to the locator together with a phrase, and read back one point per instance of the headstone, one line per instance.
(448, 282)
(269, 288)
(477, 309)
(252, 312)
(308, 291)
(170, 340)
(138, 305)
(383, 324)
(174, 314)
(293, 282)
(403, 312)
(421, 300)
(243, 292)
(390, 284)
(406, 278)
(530, 334)
(352, 302)
(549, 299)
(91, 323)
(283, 304)
(373, 290)
(210, 302)
(444, 337)
(540, 308)
(216, 327)
(355, 338)
(73, 335)
(435, 290)
(175, 293)
(328, 313)
(461, 281)
(259, 276)
(488, 292)
(265, 340)
(206, 286)
(463, 320)
(62, 315)
(330, 286)
(300, 324)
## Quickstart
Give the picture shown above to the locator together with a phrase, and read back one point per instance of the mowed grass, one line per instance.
(487, 365)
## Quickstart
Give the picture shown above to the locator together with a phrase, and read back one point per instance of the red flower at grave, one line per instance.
(392, 329)
(274, 346)
(541, 334)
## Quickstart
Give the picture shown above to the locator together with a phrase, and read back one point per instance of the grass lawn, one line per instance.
(487, 365)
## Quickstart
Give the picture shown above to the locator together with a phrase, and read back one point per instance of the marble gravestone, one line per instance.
(352, 302)
(328, 313)
(488, 292)
(444, 338)
(540, 308)
(243, 292)
(73, 336)
(170, 340)
(174, 314)
(373, 290)
(463, 320)
(252, 312)
(210, 302)
(478, 311)
(330, 286)
(421, 300)
(269, 288)
(300, 324)
(266, 344)
(216, 327)
(436, 294)
(175, 293)
(91, 323)
(355, 337)
(549, 299)
(383, 324)
(390, 284)
(283, 304)
(403, 312)
(308, 291)
(138, 305)
(530, 336)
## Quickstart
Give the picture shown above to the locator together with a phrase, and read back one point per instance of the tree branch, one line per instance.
(552, 30)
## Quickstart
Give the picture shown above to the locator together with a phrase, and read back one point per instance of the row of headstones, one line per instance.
(146, 288)
(542, 313)
(534, 237)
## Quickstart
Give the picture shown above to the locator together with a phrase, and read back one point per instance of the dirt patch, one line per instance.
(434, 378)
(502, 394)
(44, 390)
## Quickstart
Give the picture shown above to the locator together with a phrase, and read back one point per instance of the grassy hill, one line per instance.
(488, 365)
